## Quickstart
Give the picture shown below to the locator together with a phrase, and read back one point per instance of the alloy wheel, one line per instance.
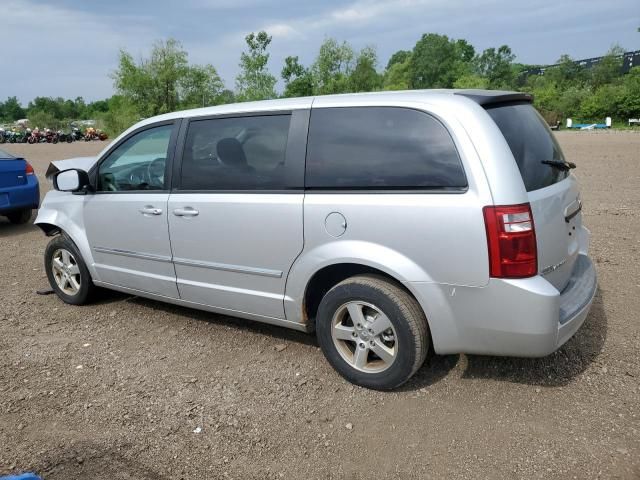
(66, 271)
(364, 337)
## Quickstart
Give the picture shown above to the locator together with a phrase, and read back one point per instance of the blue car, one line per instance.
(19, 188)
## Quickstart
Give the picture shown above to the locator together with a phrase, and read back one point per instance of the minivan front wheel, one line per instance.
(67, 272)
(373, 332)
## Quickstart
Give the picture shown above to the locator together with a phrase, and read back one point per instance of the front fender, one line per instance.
(65, 211)
(359, 252)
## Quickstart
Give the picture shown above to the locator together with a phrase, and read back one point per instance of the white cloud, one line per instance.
(281, 30)
(51, 50)
(64, 52)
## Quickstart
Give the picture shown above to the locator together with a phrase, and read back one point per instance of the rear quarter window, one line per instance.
(380, 148)
(531, 142)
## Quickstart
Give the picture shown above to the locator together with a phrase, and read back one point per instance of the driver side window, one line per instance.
(138, 163)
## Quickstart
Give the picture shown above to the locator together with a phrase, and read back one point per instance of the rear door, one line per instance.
(553, 193)
(126, 219)
(235, 214)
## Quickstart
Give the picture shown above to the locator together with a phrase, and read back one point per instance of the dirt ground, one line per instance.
(116, 390)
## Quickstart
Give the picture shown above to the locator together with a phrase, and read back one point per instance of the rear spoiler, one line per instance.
(4, 155)
(490, 97)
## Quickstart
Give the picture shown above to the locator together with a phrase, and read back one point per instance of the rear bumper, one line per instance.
(521, 318)
(20, 197)
(576, 298)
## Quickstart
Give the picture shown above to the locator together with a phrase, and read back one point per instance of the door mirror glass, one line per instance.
(72, 180)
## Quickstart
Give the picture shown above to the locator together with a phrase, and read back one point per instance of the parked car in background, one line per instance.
(19, 188)
(391, 223)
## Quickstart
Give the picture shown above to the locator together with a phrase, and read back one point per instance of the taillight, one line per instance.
(29, 169)
(511, 238)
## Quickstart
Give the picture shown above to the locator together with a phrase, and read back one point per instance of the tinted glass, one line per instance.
(242, 153)
(531, 142)
(378, 148)
(138, 163)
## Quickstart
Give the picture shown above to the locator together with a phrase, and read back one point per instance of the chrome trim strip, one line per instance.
(224, 311)
(553, 268)
(264, 272)
(127, 253)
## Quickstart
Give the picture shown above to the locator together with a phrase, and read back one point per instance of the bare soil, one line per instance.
(118, 389)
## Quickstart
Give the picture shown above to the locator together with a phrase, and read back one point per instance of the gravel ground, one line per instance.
(133, 389)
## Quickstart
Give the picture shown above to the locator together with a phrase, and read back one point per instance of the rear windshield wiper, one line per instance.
(558, 164)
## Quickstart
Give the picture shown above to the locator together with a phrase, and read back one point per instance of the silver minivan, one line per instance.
(392, 224)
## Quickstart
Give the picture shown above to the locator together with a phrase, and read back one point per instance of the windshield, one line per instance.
(531, 143)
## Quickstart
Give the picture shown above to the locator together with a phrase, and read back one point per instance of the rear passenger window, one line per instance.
(242, 153)
(379, 148)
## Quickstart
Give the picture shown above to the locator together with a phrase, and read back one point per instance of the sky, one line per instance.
(69, 48)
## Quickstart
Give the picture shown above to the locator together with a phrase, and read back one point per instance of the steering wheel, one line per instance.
(108, 183)
(155, 172)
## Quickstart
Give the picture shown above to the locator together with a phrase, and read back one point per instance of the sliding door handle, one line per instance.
(186, 212)
(150, 210)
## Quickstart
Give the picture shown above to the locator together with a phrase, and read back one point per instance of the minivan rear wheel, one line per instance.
(67, 273)
(373, 332)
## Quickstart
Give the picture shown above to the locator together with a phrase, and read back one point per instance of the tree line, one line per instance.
(166, 81)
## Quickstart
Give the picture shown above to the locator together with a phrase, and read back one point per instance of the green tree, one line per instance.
(609, 68)
(122, 113)
(43, 119)
(200, 86)
(226, 96)
(471, 80)
(168, 66)
(437, 61)
(495, 65)
(566, 72)
(401, 56)
(135, 83)
(364, 77)
(629, 105)
(298, 80)
(165, 81)
(332, 67)
(11, 110)
(397, 77)
(254, 82)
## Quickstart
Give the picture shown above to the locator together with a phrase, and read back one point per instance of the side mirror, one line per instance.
(72, 180)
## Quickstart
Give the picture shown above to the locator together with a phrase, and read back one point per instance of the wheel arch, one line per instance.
(54, 221)
(50, 229)
(330, 275)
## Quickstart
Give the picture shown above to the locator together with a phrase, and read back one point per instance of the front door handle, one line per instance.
(150, 210)
(186, 212)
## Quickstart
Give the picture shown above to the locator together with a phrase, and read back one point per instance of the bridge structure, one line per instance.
(629, 60)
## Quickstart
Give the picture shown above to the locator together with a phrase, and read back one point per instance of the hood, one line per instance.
(82, 163)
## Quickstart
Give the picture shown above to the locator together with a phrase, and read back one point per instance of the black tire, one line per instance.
(20, 217)
(405, 314)
(87, 289)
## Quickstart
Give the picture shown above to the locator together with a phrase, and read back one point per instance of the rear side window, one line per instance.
(380, 148)
(242, 153)
(531, 142)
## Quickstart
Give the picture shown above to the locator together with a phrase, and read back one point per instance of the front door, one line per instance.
(235, 218)
(126, 219)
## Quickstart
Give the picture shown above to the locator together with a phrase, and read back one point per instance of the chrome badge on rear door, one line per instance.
(552, 268)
